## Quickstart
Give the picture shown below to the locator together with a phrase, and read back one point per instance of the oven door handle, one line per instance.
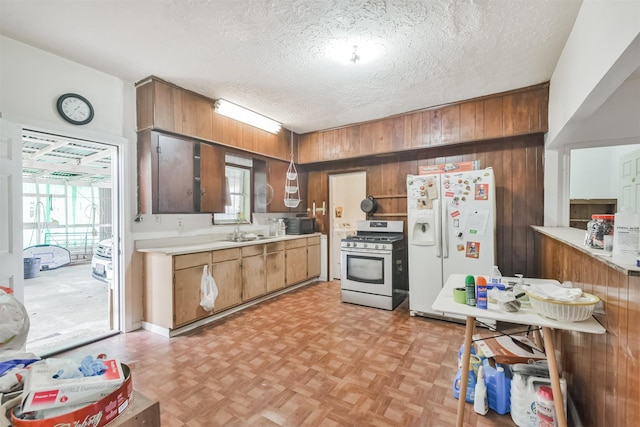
(366, 251)
(436, 212)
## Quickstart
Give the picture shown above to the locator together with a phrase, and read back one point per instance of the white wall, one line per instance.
(31, 81)
(600, 54)
(590, 68)
(595, 171)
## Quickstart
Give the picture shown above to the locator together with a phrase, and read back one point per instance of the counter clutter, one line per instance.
(497, 387)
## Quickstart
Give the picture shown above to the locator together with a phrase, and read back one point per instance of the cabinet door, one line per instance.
(228, 278)
(211, 178)
(187, 296)
(175, 174)
(296, 265)
(274, 264)
(226, 269)
(277, 177)
(253, 277)
(313, 261)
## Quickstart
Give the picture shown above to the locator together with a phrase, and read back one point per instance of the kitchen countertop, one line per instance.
(574, 237)
(211, 243)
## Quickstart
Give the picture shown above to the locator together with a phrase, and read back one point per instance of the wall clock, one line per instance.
(75, 109)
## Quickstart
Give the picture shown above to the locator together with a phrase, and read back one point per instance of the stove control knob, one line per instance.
(365, 245)
(377, 246)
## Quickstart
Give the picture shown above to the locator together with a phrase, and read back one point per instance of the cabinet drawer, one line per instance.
(315, 240)
(252, 250)
(297, 243)
(225, 255)
(191, 260)
(275, 247)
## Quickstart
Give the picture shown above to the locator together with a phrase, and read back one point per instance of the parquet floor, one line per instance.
(301, 359)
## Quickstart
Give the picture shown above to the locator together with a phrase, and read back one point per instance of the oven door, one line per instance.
(367, 271)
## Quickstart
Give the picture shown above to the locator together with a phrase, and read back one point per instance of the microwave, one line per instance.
(300, 225)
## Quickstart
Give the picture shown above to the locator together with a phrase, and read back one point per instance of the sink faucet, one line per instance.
(237, 234)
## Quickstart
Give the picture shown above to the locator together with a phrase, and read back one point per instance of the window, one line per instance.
(238, 191)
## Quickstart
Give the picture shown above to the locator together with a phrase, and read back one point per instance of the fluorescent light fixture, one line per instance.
(237, 112)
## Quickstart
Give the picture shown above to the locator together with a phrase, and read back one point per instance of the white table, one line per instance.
(525, 316)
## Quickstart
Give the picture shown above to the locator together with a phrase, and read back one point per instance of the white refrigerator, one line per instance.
(451, 226)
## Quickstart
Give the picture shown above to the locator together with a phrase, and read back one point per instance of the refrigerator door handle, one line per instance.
(436, 211)
(445, 232)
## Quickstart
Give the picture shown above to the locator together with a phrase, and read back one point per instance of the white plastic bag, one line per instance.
(208, 290)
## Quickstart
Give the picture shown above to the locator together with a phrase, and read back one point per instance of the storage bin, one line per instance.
(31, 267)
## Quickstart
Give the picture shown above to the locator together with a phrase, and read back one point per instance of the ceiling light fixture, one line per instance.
(354, 56)
(249, 117)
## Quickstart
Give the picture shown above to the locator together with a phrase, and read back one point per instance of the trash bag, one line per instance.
(208, 290)
(14, 324)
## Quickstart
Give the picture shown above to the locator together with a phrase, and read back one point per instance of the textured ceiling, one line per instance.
(273, 56)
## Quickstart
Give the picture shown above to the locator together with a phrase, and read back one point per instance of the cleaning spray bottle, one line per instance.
(480, 402)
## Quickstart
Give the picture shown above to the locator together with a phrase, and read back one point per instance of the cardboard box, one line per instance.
(42, 391)
(96, 414)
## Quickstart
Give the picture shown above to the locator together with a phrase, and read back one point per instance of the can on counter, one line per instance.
(600, 232)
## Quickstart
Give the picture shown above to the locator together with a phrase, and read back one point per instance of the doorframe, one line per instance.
(118, 196)
(332, 176)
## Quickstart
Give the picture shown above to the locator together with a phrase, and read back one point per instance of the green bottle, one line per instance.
(470, 288)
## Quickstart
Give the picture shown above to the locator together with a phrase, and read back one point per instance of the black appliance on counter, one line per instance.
(299, 225)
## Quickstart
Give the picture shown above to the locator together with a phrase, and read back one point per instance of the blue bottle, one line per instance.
(471, 385)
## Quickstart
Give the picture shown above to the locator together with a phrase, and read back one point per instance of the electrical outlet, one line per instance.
(180, 223)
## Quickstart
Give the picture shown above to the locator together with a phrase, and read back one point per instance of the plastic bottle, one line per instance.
(481, 292)
(281, 227)
(544, 407)
(495, 277)
(480, 403)
(626, 236)
(470, 287)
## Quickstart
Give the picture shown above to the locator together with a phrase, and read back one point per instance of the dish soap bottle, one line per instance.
(480, 402)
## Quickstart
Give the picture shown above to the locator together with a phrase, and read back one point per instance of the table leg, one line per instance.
(555, 377)
(466, 360)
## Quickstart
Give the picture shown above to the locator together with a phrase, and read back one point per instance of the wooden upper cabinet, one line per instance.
(166, 107)
(163, 106)
(519, 112)
(212, 178)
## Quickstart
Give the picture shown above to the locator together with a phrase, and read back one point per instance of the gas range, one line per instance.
(373, 265)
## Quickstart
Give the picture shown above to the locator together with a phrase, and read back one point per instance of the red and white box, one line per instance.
(42, 391)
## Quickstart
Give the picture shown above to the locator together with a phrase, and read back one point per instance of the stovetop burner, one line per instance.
(375, 238)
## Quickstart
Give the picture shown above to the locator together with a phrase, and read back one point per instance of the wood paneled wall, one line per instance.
(601, 370)
(517, 163)
(518, 112)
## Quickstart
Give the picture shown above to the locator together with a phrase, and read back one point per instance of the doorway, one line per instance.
(69, 224)
(346, 191)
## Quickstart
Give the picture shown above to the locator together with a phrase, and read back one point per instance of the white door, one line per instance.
(346, 191)
(11, 261)
(630, 181)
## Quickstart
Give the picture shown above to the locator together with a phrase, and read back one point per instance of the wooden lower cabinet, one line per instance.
(313, 257)
(274, 266)
(295, 261)
(171, 284)
(187, 296)
(254, 278)
(226, 270)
